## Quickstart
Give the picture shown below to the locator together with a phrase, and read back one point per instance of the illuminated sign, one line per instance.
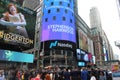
(81, 64)
(83, 41)
(8, 55)
(59, 44)
(58, 21)
(19, 29)
(83, 55)
(10, 37)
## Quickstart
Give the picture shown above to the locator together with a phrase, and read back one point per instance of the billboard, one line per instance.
(58, 21)
(81, 64)
(83, 41)
(17, 24)
(83, 55)
(7, 55)
(57, 44)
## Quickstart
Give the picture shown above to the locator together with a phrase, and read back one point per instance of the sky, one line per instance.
(109, 18)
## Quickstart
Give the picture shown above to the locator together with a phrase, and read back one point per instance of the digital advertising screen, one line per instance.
(83, 41)
(17, 24)
(83, 55)
(58, 21)
(57, 44)
(81, 64)
(7, 55)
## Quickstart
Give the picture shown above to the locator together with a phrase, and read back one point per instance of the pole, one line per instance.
(38, 28)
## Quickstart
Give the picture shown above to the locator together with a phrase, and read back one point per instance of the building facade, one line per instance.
(60, 32)
(61, 56)
(102, 47)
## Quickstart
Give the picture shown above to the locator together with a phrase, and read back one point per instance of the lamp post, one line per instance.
(42, 58)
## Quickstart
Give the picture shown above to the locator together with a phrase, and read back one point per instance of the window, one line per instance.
(68, 5)
(63, 18)
(60, 3)
(72, 14)
(66, 11)
(52, 3)
(49, 11)
(58, 10)
(70, 0)
(46, 19)
(70, 20)
(54, 17)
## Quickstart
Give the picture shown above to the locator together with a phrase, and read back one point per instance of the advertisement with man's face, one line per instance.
(17, 24)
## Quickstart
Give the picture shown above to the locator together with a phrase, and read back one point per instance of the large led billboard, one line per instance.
(83, 55)
(83, 40)
(7, 55)
(17, 24)
(59, 44)
(81, 64)
(58, 21)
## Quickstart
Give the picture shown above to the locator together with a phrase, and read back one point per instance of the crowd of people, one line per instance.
(56, 74)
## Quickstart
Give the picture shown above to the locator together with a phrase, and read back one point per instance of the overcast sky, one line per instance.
(109, 18)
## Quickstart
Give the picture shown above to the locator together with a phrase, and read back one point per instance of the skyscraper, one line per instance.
(95, 20)
(96, 29)
(118, 5)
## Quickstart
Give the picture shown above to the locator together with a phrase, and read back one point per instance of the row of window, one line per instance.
(67, 0)
(60, 3)
(54, 19)
(58, 10)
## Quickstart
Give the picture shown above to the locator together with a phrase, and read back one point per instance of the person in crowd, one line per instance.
(14, 21)
(66, 75)
(18, 75)
(37, 76)
(2, 76)
(75, 74)
(84, 74)
(47, 76)
(101, 76)
(109, 77)
(92, 76)
(96, 72)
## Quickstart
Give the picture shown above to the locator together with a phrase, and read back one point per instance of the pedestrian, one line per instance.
(37, 76)
(84, 74)
(102, 77)
(92, 76)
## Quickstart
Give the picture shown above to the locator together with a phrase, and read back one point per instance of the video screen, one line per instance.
(81, 64)
(60, 27)
(7, 55)
(82, 55)
(83, 40)
(59, 44)
(17, 24)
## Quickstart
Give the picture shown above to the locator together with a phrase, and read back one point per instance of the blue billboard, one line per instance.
(7, 55)
(58, 21)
